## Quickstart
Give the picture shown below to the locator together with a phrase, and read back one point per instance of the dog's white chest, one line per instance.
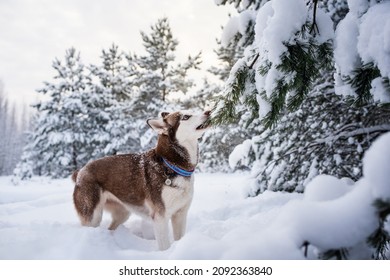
(178, 195)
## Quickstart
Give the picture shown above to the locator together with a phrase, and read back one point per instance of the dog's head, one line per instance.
(182, 126)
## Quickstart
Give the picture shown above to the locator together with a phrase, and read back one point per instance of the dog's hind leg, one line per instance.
(118, 212)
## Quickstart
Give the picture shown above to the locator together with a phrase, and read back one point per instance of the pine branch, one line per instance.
(305, 245)
(303, 61)
(254, 61)
(224, 112)
(317, 144)
(380, 238)
(277, 104)
(338, 254)
(314, 27)
(360, 131)
(361, 83)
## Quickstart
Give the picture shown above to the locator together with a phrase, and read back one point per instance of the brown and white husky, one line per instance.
(156, 184)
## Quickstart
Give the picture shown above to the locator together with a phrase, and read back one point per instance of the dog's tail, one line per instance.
(74, 175)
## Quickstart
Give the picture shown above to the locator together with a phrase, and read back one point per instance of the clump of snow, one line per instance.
(326, 187)
(358, 7)
(284, 17)
(236, 24)
(277, 22)
(374, 37)
(376, 167)
(239, 153)
(264, 106)
(325, 26)
(345, 52)
(313, 171)
(245, 17)
(230, 30)
(380, 92)
(362, 37)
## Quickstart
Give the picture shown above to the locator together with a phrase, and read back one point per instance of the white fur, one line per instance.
(177, 201)
(187, 134)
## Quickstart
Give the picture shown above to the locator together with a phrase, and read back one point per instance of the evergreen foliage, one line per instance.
(60, 138)
(337, 9)
(241, 5)
(98, 110)
(112, 83)
(335, 254)
(380, 238)
(325, 136)
(299, 66)
(307, 129)
(157, 72)
(363, 78)
(158, 77)
(114, 75)
(13, 122)
(217, 143)
(360, 81)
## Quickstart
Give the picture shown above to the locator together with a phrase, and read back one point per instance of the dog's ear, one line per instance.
(164, 114)
(158, 125)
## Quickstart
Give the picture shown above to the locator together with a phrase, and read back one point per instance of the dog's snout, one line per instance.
(207, 113)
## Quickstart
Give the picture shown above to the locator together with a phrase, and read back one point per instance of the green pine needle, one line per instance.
(361, 83)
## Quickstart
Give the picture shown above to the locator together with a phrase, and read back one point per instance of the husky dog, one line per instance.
(156, 184)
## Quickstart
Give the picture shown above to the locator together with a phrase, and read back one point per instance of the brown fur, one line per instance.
(126, 177)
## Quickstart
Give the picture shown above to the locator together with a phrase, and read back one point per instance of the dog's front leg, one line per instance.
(179, 221)
(161, 232)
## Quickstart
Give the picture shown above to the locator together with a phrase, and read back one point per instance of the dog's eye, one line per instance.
(185, 117)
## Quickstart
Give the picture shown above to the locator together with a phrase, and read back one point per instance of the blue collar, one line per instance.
(178, 170)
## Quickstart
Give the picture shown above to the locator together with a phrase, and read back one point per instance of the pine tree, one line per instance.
(325, 136)
(60, 140)
(113, 75)
(113, 90)
(256, 90)
(3, 124)
(158, 77)
(12, 125)
(311, 129)
(157, 73)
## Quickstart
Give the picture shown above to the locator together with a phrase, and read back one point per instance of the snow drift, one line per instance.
(37, 220)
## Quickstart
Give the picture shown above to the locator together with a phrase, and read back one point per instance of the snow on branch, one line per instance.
(347, 134)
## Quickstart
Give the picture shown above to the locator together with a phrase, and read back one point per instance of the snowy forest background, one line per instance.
(301, 88)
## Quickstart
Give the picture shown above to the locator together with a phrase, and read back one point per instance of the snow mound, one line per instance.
(326, 187)
(239, 153)
(376, 167)
(37, 219)
(374, 37)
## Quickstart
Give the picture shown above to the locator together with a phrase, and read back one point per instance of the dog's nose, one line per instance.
(207, 113)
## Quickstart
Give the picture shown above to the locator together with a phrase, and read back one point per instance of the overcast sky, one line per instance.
(34, 32)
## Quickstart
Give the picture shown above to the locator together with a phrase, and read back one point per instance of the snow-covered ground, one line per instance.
(37, 219)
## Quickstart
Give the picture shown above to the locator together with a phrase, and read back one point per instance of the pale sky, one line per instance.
(34, 32)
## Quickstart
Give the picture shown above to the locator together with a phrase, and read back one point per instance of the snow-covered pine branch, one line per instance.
(286, 57)
(361, 131)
